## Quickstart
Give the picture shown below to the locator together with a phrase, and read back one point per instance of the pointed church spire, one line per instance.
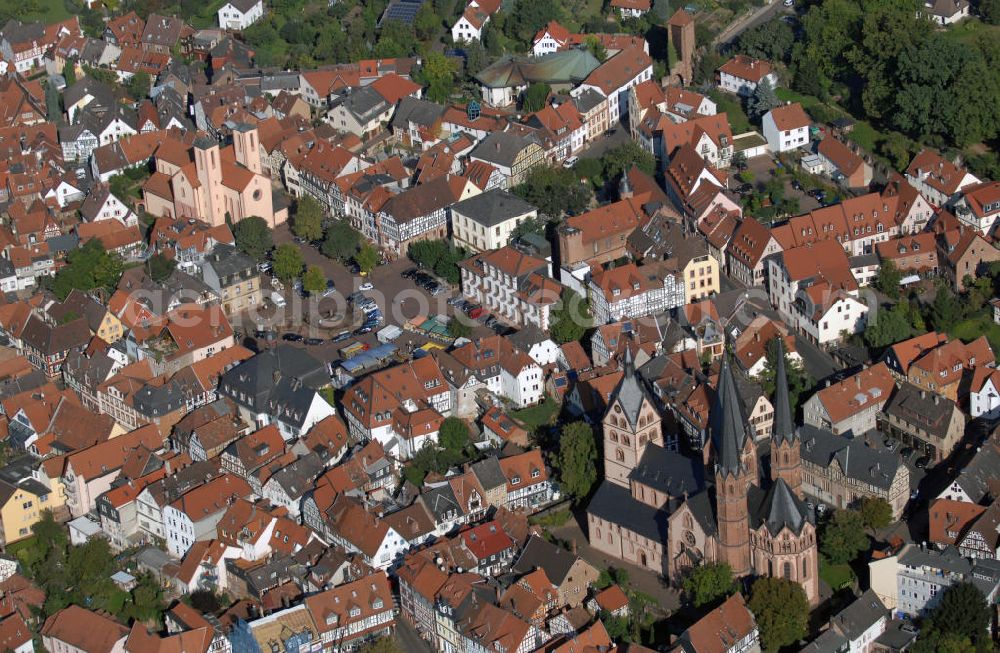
(784, 425)
(727, 423)
(629, 363)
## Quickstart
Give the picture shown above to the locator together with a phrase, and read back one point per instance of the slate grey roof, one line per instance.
(501, 148)
(489, 473)
(417, 111)
(615, 504)
(859, 462)
(82, 305)
(50, 340)
(525, 338)
(784, 425)
(726, 423)
(493, 207)
(630, 393)
(243, 5)
(913, 555)
(280, 381)
(861, 615)
(977, 477)
(540, 554)
(297, 479)
(925, 410)
(227, 261)
(62, 243)
(669, 472)
(104, 95)
(363, 103)
(829, 641)
(440, 501)
(898, 635)
(777, 507)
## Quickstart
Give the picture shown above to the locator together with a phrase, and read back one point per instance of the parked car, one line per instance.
(410, 273)
(570, 162)
(906, 452)
(342, 336)
(314, 341)
(368, 285)
(922, 462)
(362, 330)
(291, 337)
(277, 299)
(796, 185)
(476, 312)
(330, 288)
(455, 301)
(817, 193)
(264, 267)
(265, 334)
(354, 268)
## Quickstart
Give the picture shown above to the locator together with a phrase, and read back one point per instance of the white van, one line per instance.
(277, 299)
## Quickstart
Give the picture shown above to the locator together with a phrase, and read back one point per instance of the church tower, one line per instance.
(735, 470)
(631, 423)
(786, 456)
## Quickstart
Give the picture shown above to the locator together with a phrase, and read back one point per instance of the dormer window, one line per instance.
(355, 612)
(515, 480)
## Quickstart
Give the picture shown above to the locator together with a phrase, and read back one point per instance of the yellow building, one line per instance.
(102, 322)
(21, 507)
(701, 278)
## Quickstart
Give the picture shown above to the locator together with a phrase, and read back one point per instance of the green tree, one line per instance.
(945, 311)
(554, 191)
(205, 601)
(887, 327)
(535, 97)
(69, 73)
(287, 262)
(596, 47)
(341, 241)
(782, 612)
(577, 459)
(458, 328)
(160, 267)
(590, 169)
(963, 612)
(87, 268)
(843, 537)
(876, 512)
(990, 11)
(799, 380)
(253, 237)
(707, 583)
(888, 279)
(314, 281)
(367, 257)
(426, 23)
(454, 434)
(762, 100)
(622, 158)
(138, 85)
(570, 317)
(772, 41)
(438, 73)
(308, 219)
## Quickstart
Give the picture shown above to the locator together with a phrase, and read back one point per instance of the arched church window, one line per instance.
(787, 571)
(786, 457)
(620, 455)
(805, 567)
(626, 440)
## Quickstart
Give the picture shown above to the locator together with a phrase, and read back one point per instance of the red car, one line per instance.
(476, 313)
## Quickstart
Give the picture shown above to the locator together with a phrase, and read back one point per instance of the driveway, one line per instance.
(758, 17)
(619, 136)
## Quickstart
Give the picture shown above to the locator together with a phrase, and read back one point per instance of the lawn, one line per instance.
(972, 29)
(836, 576)
(46, 11)
(731, 106)
(788, 95)
(979, 325)
(208, 16)
(535, 416)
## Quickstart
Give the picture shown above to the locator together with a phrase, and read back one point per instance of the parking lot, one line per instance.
(764, 168)
(324, 322)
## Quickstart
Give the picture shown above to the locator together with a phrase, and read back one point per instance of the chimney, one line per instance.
(936, 398)
(857, 380)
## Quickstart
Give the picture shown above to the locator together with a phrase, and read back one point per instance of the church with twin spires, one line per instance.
(656, 509)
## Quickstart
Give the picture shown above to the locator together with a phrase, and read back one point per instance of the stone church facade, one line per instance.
(655, 509)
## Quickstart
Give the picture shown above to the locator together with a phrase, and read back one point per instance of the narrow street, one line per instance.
(758, 17)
